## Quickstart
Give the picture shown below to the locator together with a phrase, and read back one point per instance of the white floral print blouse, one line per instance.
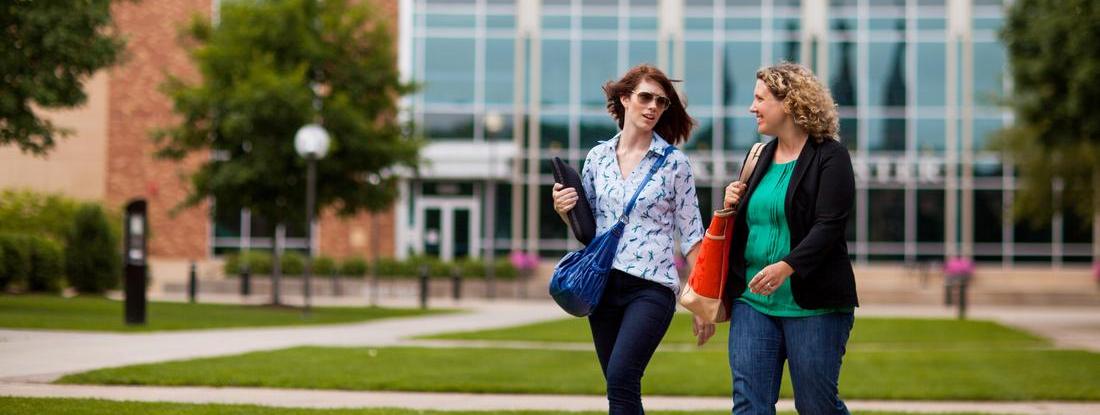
(666, 211)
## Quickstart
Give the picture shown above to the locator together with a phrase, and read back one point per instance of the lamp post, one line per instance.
(311, 142)
(494, 122)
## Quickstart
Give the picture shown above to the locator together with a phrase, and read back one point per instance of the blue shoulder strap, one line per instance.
(656, 166)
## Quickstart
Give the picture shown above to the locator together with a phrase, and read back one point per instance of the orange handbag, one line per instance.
(703, 294)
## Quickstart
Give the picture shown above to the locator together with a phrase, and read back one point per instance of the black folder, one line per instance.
(581, 219)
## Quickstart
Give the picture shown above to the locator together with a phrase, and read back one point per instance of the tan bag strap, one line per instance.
(746, 173)
(750, 162)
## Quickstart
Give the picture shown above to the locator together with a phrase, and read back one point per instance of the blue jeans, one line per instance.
(628, 324)
(812, 346)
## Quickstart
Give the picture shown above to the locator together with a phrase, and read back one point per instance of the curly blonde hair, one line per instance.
(804, 97)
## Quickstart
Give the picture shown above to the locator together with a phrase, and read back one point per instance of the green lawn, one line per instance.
(40, 406)
(867, 334)
(101, 314)
(878, 374)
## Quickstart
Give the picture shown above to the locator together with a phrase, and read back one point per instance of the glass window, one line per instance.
(643, 23)
(989, 73)
(555, 72)
(550, 224)
(849, 132)
(599, 22)
(930, 219)
(643, 51)
(702, 135)
(988, 216)
(227, 220)
(556, 22)
(742, 61)
(743, 24)
(788, 50)
(887, 219)
(596, 128)
(930, 135)
(984, 131)
(699, 78)
(598, 65)
(894, 24)
(936, 24)
(1029, 232)
(700, 24)
(449, 70)
(449, 126)
(887, 74)
(554, 132)
(887, 134)
(500, 21)
(931, 86)
(506, 129)
(741, 133)
(842, 69)
(499, 64)
(449, 21)
(988, 23)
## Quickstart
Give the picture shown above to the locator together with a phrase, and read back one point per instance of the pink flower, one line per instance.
(679, 261)
(959, 267)
(523, 261)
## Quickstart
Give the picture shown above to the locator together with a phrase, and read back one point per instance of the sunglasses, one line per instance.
(645, 98)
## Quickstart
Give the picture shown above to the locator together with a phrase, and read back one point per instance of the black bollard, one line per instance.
(336, 291)
(246, 281)
(962, 298)
(192, 284)
(456, 283)
(424, 286)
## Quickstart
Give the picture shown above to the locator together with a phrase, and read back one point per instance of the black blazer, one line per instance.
(819, 201)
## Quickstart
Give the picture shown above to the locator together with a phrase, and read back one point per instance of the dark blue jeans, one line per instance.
(812, 346)
(628, 324)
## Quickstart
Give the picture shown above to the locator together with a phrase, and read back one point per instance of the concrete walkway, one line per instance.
(300, 398)
(29, 359)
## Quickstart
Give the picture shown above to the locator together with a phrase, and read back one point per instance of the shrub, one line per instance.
(472, 267)
(47, 262)
(505, 269)
(15, 257)
(92, 259)
(354, 267)
(259, 263)
(323, 265)
(293, 263)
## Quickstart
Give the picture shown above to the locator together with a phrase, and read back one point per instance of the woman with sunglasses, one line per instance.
(790, 279)
(640, 296)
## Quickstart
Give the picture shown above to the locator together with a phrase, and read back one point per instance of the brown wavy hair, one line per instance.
(804, 97)
(674, 125)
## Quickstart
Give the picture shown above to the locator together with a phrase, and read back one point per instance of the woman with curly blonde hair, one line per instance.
(790, 279)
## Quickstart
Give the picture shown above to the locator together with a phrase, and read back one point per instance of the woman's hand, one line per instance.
(733, 193)
(770, 278)
(565, 198)
(701, 329)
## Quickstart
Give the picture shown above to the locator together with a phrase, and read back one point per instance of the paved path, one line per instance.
(484, 402)
(29, 358)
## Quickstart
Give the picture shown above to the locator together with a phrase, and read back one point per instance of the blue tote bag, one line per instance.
(580, 276)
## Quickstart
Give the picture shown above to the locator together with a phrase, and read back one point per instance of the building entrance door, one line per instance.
(448, 227)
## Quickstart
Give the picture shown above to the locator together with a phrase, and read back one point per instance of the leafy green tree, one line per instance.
(1054, 59)
(270, 67)
(50, 48)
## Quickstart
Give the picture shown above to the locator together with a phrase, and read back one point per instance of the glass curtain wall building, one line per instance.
(506, 85)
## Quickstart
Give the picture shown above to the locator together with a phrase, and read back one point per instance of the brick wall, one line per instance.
(136, 108)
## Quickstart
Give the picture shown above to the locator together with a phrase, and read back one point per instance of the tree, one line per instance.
(50, 48)
(262, 67)
(1054, 60)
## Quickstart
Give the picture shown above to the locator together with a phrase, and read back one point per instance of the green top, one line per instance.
(769, 240)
